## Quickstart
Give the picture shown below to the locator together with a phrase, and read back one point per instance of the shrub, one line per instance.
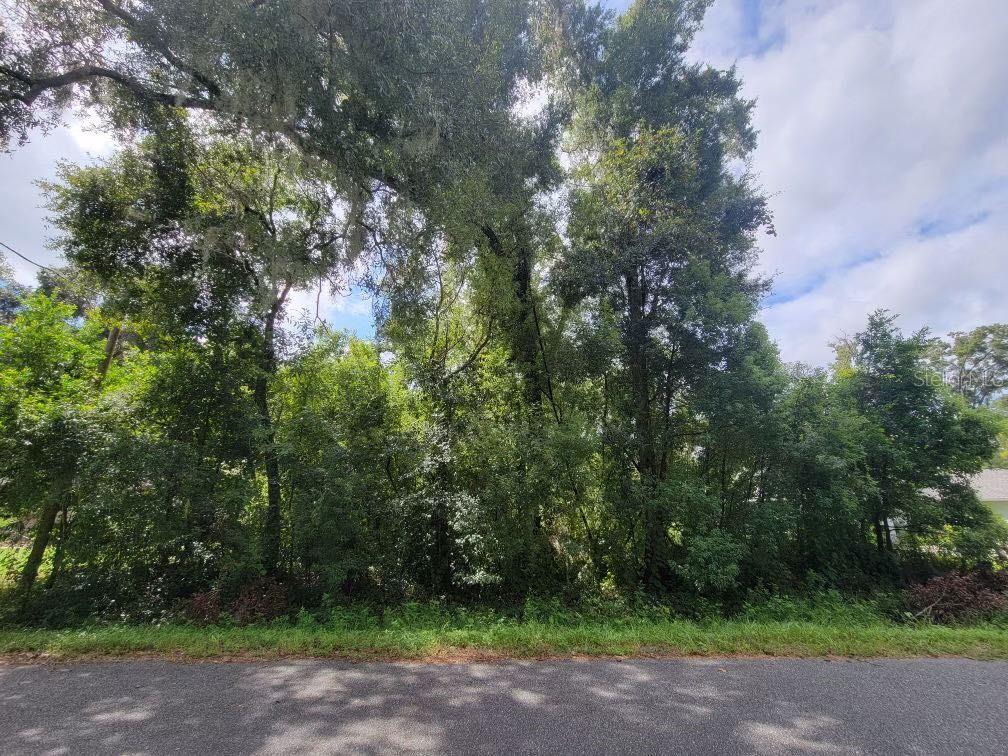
(957, 597)
(259, 601)
(355, 617)
(203, 608)
(713, 564)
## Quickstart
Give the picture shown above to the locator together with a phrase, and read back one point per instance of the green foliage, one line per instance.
(568, 401)
(828, 607)
(712, 564)
(344, 438)
(920, 441)
(822, 628)
(974, 364)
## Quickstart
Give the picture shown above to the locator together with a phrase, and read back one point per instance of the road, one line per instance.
(635, 706)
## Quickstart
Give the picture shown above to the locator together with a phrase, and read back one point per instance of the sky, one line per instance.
(883, 146)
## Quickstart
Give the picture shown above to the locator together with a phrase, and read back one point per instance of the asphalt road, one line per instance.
(640, 706)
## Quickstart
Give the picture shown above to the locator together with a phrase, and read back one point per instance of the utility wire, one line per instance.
(27, 259)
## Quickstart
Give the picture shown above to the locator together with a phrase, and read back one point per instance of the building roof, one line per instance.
(991, 485)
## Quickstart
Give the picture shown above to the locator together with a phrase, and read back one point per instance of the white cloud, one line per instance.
(89, 137)
(23, 214)
(882, 130)
(948, 282)
(352, 311)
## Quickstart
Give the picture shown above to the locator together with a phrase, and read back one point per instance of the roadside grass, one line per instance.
(484, 636)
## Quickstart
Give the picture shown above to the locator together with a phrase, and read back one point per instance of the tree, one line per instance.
(48, 397)
(568, 392)
(346, 443)
(974, 363)
(1000, 409)
(11, 292)
(381, 94)
(225, 231)
(663, 235)
(921, 441)
(819, 474)
(419, 105)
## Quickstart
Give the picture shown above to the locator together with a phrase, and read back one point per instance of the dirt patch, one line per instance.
(445, 655)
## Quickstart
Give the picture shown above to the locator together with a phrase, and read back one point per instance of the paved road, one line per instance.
(646, 706)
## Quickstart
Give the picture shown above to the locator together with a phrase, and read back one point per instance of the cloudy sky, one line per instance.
(883, 142)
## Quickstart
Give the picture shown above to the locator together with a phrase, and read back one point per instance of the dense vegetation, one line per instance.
(567, 396)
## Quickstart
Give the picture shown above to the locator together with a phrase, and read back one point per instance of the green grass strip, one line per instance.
(514, 640)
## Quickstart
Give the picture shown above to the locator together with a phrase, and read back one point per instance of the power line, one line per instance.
(26, 259)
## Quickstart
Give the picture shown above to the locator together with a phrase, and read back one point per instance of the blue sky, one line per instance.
(883, 144)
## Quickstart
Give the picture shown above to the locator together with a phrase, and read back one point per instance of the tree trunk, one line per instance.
(271, 466)
(110, 349)
(442, 545)
(522, 325)
(271, 460)
(60, 547)
(639, 383)
(43, 531)
(654, 526)
(879, 538)
(526, 346)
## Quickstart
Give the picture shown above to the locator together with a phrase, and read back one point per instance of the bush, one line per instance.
(713, 564)
(355, 617)
(203, 608)
(260, 601)
(956, 597)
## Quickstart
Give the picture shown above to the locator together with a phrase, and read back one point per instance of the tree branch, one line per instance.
(476, 353)
(135, 25)
(37, 86)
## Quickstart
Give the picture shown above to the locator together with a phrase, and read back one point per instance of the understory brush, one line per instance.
(961, 598)
(829, 607)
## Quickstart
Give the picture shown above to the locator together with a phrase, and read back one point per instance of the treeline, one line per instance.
(568, 393)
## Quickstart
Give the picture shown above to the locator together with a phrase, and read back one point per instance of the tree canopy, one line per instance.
(568, 392)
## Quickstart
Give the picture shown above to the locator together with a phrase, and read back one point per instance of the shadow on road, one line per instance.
(716, 706)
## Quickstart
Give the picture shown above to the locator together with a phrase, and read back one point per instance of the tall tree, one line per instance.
(48, 394)
(416, 104)
(382, 94)
(663, 234)
(209, 238)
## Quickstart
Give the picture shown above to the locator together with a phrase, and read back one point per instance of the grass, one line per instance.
(492, 637)
(12, 560)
